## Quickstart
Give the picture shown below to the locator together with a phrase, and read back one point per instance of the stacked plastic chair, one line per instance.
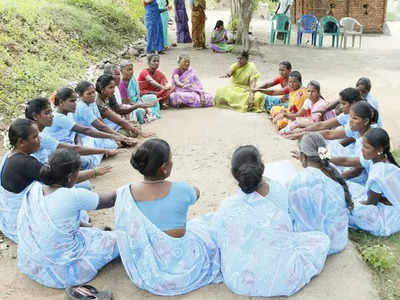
(348, 29)
(278, 25)
(307, 24)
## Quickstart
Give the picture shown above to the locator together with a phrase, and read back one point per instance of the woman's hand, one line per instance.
(149, 104)
(295, 154)
(100, 171)
(147, 134)
(227, 75)
(111, 152)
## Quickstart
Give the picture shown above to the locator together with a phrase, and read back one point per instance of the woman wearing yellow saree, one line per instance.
(237, 95)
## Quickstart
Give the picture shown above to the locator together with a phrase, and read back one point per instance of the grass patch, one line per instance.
(46, 43)
(392, 16)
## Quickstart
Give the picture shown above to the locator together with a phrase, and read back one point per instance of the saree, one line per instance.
(158, 263)
(162, 4)
(154, 28)
(380, 219)
(59, 257)
(236, 96)
(181, 20)
(10, 204)
(189, 96)
(146, 88)
(260, 253)
(317, 203)
(198, 23)
(219, 41)
(143, 115)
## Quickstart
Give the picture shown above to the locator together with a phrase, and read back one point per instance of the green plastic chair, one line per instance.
(278, 24)
(326, 23)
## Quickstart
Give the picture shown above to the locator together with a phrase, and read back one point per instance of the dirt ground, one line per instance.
(204, 139)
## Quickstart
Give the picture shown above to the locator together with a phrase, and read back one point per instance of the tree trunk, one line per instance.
(243, 10)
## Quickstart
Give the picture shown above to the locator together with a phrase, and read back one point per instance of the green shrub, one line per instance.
(379, 257)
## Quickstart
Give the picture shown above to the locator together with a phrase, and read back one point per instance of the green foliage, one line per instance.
(233, 24)
(379, 257)
(46, 43)
(392, 16)
(396, 154)
(272, 5)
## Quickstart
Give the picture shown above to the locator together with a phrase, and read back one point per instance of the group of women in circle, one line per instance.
(268, 239)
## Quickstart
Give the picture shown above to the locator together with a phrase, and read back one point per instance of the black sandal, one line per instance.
(87, 292)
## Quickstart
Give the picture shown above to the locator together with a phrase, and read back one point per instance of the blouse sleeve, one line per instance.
(254, 75)
(84, 199)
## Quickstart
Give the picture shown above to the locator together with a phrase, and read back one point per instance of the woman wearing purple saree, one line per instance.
(181, 20)
(188, 88)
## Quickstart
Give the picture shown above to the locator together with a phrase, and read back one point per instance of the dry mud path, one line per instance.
(204, 139)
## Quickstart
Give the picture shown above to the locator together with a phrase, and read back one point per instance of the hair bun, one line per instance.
(140, 159)
(249, 177)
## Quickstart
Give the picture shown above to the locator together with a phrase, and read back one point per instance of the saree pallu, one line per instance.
(189, 96)
(380, 219)
(260, 253)
(143, 115)
(154, 28)
(10, 204)
(56, 257)
(198, 23)
(317, 203)
(146, 88)
(219, 41)
(236, 96)
(158, 263)
(162, 4)
(181, 20)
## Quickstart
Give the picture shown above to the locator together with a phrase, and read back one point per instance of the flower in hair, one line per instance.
(323, 153)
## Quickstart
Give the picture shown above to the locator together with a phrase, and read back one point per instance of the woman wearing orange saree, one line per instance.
(198, 23)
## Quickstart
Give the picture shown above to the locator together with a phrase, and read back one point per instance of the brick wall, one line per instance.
(370, 13)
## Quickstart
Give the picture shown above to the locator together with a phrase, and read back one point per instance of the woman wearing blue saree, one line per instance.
(164, 5)
(154, 27)
(260, 253)
(53, 249)
(160, 253)
(319, 198)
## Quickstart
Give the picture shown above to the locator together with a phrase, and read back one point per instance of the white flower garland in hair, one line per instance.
(323, 153)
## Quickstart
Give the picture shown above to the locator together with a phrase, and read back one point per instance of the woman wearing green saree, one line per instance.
(237, 96)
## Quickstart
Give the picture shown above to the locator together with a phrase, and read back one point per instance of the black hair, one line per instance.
(366, 82)
(296, 74)
(62, 95)
(82, 87)
(311, 142)
(247, 168)
(218, 24)
(378, 137)
(365, 111)
(103, 81)
(62, 163)
(350, 95)
(19, 129)
(36, 106)
(151, 56)
(150, 156)
(245, 54)
(287, 64)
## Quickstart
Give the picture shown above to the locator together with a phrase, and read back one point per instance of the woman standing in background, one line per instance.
(199, 23)
(164, 5)
(181, 20)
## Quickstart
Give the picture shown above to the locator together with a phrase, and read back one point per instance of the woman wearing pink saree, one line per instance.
(188, 88)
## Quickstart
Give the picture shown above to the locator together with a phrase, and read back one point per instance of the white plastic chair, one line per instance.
(347, 28)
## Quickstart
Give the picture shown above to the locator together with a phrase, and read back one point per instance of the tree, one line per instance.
(243, 11)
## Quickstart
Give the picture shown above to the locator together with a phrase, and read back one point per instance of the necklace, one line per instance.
(153, 181)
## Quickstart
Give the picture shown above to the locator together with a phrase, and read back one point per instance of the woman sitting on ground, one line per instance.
(271, 99)
(319, 198)
(111, 111)
(147, 108)
(19, 169)
(257, 218)
(152, 81)
(219, 39)
(87, 114)
(188, 90)
(64, 128)
(378, 210)
(151, 216)
(39, 110)
(238, 95)
(311, 110)
(297, 97)
(53, 249)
